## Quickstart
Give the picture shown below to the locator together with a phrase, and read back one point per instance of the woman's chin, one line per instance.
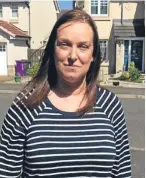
(72, 79)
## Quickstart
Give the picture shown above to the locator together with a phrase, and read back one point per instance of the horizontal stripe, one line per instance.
(65, 136)
(10, 160)
(73, 154)
(74, 160)
(89, 141)
(70, 125)
(75, 166)
(69, 119)
(67, 172)
(69, 148)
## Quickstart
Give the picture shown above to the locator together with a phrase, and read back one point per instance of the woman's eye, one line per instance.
(84, 47)
(64, 44)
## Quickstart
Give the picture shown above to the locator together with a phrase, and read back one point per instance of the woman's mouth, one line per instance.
(71, 66)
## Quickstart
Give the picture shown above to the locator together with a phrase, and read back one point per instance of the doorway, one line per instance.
(133, 51)
(3, 60)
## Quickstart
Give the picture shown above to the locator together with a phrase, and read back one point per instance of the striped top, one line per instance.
(49, 143)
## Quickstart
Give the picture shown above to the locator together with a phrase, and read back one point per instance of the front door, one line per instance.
(136, 53)
(126, 54)
(3, 60)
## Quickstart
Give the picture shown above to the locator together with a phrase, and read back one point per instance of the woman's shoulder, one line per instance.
(109, 103)
(21, 113)
(105, 91)
(105, 96)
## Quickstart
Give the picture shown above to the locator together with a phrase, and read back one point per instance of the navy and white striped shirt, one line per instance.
(49, 143)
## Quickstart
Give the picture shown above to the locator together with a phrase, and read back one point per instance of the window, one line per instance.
(104, 50)
(2, 47)
(1, 10)
(14, 10)
(99, 7)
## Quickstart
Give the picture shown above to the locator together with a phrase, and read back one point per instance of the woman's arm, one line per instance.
(114, 111)
(122, 166)
(12, 142)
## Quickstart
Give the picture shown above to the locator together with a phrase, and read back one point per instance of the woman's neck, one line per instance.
(65, 89)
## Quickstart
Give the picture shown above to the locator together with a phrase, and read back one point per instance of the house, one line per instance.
(14, 36)
(43, 15)
(120, 25)
(24, 24)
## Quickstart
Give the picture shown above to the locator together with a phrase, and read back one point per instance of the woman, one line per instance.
(63, 125)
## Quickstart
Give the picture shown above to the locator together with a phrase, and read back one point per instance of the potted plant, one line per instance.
(17, 77)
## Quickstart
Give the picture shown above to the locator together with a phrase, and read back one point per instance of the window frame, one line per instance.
(106, 57)
(99, 8)
(1, 10)
(15, 10)
(2, 47)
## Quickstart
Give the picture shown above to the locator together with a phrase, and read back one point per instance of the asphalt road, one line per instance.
(117, 90)
(138, 164)
(134, 112)
(130, 91)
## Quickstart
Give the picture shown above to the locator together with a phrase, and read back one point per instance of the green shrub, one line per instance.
(124, 76)
(32, 71)
(134, 73)
(131, 65)
(139, 81)
(131, 68)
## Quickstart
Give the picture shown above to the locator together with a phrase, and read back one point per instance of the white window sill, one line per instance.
(100, 17)
(14, 20)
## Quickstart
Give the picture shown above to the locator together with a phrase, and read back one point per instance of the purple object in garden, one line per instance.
(20, 67)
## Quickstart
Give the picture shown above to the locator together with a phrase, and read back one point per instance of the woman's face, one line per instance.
(73, 51)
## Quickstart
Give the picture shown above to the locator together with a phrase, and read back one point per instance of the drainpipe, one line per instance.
(29, 23)
(121, 12)
(56, 7)
(74, 4)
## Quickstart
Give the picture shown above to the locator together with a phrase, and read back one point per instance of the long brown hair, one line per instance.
(46, 77)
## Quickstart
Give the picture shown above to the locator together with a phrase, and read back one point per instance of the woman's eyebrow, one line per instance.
(85, 42)
(80, 42)
(63, 39)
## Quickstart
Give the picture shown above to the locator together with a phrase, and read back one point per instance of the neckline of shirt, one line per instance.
(65, 113)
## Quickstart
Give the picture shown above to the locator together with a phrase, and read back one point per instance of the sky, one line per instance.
(65, 4)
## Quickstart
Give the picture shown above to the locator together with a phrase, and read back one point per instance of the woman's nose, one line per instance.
(73, 54)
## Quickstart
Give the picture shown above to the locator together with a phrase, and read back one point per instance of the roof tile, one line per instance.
(13, 29)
